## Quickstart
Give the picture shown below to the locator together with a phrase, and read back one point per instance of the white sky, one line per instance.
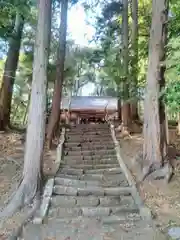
(77, 27)
(81, 32)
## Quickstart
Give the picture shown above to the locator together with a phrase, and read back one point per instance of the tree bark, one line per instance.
(155, 141)
(178, 127)
(31, 181)
(10, 72)
(126, 118)
(134, 84)
(56, 101)
(119, 110)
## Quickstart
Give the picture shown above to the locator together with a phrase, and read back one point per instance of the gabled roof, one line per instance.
(89, 103)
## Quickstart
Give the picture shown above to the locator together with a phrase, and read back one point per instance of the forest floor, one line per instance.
(11, 167)
(162, 199)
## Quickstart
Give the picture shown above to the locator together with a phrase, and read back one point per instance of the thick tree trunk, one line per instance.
(10, 72)
(30, 184)
(126, 115)
(155, 141)
(134, 87)
(126, 118)
(56, 101)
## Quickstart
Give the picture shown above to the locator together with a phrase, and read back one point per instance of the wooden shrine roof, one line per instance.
(90, 103)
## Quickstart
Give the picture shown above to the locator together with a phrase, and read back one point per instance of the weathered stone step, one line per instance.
(60, 212)
(91, 190)
(129, 218)
(89, 152)
(116, 170)
(87, 138)
(74, 182)
(93, 133)
(71, 171)
(93, 142)
(89, 145)
(90, 148)
(91, 176)
(74, 171)
(81, 128)
(90, 161)
(90, 166)
(95, 157)
(83, 183)
(88, 142)
(91, 201)
(69, 201)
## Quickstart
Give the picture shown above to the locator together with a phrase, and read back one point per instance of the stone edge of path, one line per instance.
(144, 211)
(48, 190)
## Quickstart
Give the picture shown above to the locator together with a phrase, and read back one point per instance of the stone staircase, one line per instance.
(91, 194)
(90, 182)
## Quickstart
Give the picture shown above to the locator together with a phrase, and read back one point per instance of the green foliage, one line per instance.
(172, 96)
(172, 91)
(8, 9)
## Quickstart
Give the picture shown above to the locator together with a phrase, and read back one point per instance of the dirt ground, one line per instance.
(163, 200)
(11, 167)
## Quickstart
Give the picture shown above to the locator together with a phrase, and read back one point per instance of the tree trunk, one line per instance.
(119, 110)
(125, 103)
(178, 127)
(30, 184)
(10, 72)
(134, 103)
(56, 101)
(155, 142)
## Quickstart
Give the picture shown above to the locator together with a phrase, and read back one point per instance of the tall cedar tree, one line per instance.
(31, 179)
(56, 101)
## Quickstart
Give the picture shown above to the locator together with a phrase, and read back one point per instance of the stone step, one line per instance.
(90, 148)
(129, 218)
(94, 142)
(95, 157)
(75, 171)
(90, 145)
(89, 141)
(83, 183)
(71, 171)
(90, 161)
(116, 170)
(90, 132)
(93, 133)
(90, 166)
(91, 201)
(89, 152)
(87, 138)
(62, 212)
(83, 128)
(98, 177)
(91, 190)
(74, 182)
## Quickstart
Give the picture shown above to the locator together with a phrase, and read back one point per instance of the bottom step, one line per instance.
(60, 212)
